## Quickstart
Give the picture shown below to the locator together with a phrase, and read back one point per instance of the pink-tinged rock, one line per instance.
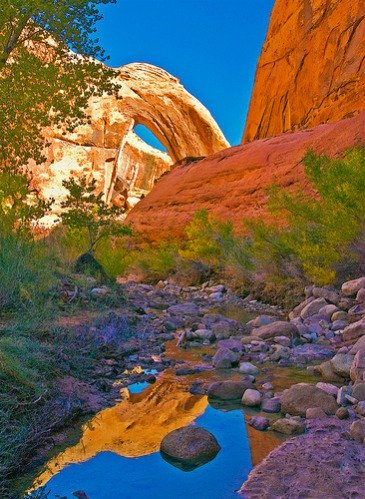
(297, 399)
(359, 345)
(351, 288)
(354, 330)
(328, 388)
(313, 308)
(360, 297)
(357, 371)
(357, 431)
(278, 328)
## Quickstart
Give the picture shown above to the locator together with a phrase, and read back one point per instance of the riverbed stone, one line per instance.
(341, 364)
(360, 408)
(328, 294)
(190, 445)
(225, 358)
(278, 328)
(328, 310)
(300, 397)
(340, 315)
(315, 413)
(357, 371)
(262, 320)
(259, 423)
(342, 393)
(228, 390)
(325, 369)
(351, 288)
(288, 426)
(360, 297)
(251, 398)
(359, 345)
(271, 406)
(357, 430)
(248, 368)
(188, 308)
(358, 391)
(354, 331)
(313, 308)
(342, 413)
(328, 388)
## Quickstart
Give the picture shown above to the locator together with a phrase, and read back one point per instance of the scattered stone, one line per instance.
(278, 328)
(271, 406)
(228, 390)
(251, 398)
(313, 308)
(341, 364)
(297, 399)
(354, 331)
(191, 445)
(288, 426)
(248, 368)
(315, 413)
(357, 430)
(267, 386)
(342, 413)
(225, 359)
(259, 423)
(351, 288)
(328, 388)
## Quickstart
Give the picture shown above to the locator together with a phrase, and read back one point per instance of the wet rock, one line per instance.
(228, 390)
(313, 308)
(259, 423)
(354, 331)
(341, 364)
(80, 494)
(357, 431)
(225, 359)
(271, 405)
(288, 426)
(351, 288)
(248, 368)
(251, 398)
(297, 399)
(278, 328)
(191, 446)
(315, 413)
(328, 388)
(342, 413)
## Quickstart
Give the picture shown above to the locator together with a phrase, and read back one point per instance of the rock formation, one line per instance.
(107, 147)
(232, 183)
(312, 67)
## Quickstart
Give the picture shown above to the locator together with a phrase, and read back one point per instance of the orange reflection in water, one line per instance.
(133, 427)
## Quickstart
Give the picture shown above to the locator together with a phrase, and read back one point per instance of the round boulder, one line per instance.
(297, 399)
(189, 447)
(228, 390)
(251, 398)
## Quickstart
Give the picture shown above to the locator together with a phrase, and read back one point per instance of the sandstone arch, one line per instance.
(107, 148)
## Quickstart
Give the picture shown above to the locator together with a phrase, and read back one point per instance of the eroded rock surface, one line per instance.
(311, 69)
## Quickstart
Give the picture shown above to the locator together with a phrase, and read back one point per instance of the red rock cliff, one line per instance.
(312, 67)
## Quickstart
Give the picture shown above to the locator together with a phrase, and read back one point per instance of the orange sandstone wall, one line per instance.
(311, 69)
(232, 184)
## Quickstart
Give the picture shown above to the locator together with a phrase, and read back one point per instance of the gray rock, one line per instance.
(351, 288)
(313, 308)
(262, 320)
(357, 371)
(341, 395)
(228, 390)
(192, 446)
(354, 330)
(187, 308)
(360, 408)
(326, 371)
(259, 423)
(282, 340)
(271, 406)
(297, 399)
(315, 413)
(278, 328)
(251, 398)
(328, 310)
(339, 325)
(358, 391)
(341, 364)
(225, 359)
(288, 426)
(248, 368)
(357, 430)
(328, 388)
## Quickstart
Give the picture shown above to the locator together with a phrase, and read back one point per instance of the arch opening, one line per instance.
(145, 134)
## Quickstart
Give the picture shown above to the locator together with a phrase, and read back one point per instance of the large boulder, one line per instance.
(297, 399)
(228, 390)
(278, 328)
(190, 446)
(354, 330)
(351, 288)
(313, 308)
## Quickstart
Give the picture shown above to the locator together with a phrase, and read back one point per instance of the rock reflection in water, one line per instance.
(134, 427)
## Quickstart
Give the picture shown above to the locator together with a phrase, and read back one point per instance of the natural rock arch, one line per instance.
(107, 148)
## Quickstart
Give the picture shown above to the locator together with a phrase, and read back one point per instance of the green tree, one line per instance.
(43, 79)
(85, 211)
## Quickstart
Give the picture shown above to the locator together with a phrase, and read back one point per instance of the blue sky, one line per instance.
(211, 45)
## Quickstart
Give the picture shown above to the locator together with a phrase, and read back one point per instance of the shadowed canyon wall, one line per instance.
(311, 69)
(107, 147)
